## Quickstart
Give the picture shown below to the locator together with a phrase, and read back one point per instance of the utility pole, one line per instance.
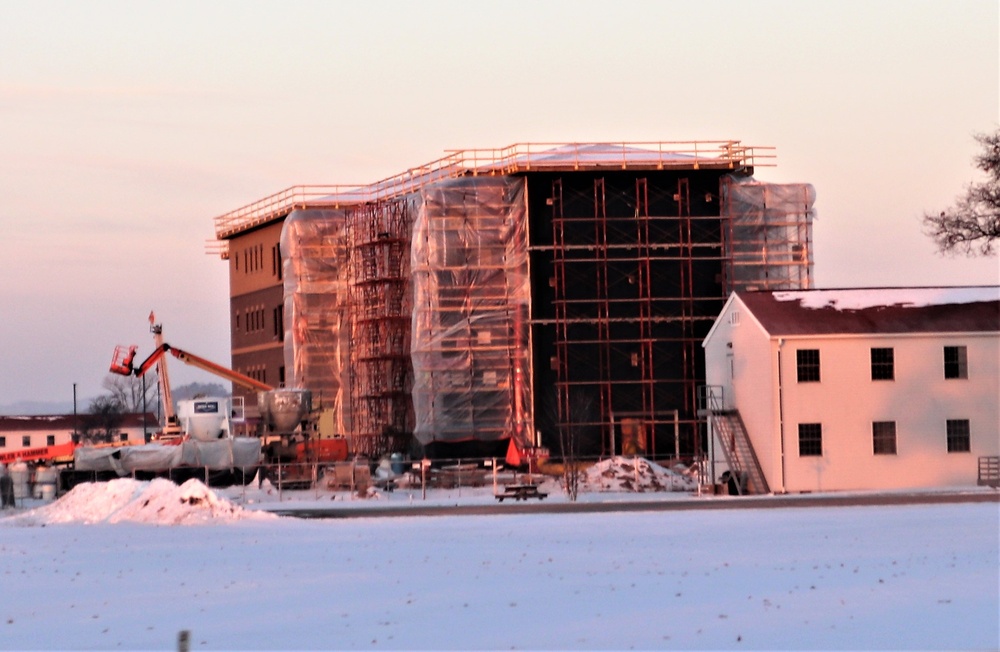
(76, 424)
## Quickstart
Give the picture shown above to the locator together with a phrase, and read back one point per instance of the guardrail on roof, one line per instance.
(513, 159)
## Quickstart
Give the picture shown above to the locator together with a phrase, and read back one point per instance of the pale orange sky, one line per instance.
(126, 126)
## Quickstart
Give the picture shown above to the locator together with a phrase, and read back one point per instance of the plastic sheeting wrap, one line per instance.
(469, 337)
(216, 455)
(125, 459)
(317, 331)
(771, 238)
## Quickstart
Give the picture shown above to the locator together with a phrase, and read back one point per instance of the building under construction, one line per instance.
(535, 293)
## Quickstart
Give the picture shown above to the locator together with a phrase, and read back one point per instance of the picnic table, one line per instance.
(521, 492)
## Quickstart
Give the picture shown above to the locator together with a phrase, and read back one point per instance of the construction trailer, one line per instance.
(517, 294)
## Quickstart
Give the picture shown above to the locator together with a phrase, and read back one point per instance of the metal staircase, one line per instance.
(734, 442)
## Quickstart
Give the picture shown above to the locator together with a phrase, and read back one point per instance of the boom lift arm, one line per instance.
(123, 363)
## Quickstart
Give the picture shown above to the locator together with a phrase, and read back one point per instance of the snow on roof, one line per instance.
(158, 502)
(24, 423)
(570, 155)
(877, 310)
(598, 153)
(861, 299)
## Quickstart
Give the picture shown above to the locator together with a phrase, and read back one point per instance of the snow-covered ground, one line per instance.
(127, 565)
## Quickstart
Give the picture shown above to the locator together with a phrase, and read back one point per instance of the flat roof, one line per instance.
(513, 159)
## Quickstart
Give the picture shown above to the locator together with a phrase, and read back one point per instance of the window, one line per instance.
(883, 367)
(807, 361)
(123, 436)
(26, 440)
(810, 439)
(958, 436)
(279, 322)
(50, 440)
(3, 442)
(956, 362)
(884, 437)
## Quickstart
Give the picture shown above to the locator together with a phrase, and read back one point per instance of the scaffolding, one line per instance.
(518, 158)
(470, 316)
(379, 294)
(636, 282)
(769, 234)
(563, 287)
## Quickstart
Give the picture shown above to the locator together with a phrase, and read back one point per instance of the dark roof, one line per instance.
(877, 310)
(66, 422)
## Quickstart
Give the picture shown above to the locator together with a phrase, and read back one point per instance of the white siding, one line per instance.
(13, 438)
(919, 400)
(749, 377)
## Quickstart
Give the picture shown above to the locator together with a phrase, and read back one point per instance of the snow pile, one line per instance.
(159, 502)
(636, 474)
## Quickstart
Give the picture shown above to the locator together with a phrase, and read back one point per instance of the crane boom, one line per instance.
(123, 363)
(217, 369)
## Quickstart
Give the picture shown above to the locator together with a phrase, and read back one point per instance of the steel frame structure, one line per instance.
(634, 287)
(378, 283)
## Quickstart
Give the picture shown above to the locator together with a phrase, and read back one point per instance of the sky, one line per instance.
(125, 127)
(795, 578)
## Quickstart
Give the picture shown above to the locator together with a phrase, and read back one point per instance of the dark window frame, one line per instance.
(956, 362)
(883, 362)
(807, 365)
(810, 440)
(883, 437)
(958, 435)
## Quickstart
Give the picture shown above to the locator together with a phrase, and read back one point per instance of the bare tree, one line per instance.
(101, 423)
(576, 439)
(972, 225)
(127, 391)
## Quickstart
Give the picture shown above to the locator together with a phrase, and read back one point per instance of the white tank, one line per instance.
(205, 419)
(284, 409)
(19, 474)
(45, 481)
(46, 475)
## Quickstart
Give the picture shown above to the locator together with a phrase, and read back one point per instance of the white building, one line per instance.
(51, 436)
(855, 389)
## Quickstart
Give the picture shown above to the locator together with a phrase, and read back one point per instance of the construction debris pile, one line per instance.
(637, 474)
